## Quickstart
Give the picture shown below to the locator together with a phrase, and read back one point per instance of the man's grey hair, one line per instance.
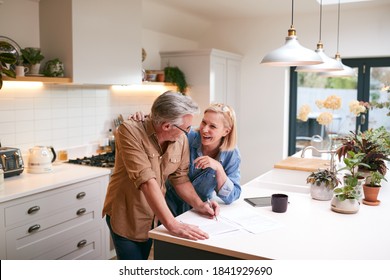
(172, 107)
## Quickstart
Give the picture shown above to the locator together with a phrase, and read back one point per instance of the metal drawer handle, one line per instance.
(81, 211)
(82, 243)
(33, 209)
(81, 195)
(34, 228)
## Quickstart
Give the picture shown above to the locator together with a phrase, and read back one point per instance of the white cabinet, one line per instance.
(98, 41)
(62, 223)
(213, 75)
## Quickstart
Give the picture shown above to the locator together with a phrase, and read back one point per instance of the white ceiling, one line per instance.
(239, 9)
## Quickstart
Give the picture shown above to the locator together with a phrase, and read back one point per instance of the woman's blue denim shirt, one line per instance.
(205, 181)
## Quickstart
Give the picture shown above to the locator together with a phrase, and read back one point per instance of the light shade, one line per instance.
(346, 72)
(292, 53)
(329, 64)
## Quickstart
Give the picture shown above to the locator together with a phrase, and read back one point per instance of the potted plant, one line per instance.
(372, 187)
(6, 59)
(323, 182)
(352, 163)
(374, 144)
(346, 199)
(33, 58)
(175, 76)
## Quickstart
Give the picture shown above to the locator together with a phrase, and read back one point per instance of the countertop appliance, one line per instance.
(11, 161)
(102, 160)
(40, 159)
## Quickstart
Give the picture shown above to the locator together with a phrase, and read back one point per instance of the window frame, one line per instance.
(363, 91)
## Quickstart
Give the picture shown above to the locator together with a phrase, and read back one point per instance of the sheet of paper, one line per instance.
(250, 220)
(211, 226)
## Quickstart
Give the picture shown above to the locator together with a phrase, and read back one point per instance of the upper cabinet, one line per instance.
(98, 41)
(213, 75)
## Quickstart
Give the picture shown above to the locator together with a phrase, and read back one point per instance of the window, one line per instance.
(372, 74)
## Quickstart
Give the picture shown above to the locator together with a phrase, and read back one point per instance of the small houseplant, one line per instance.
(6, 59)
(174, 75)
(32, 57)
(373, 143)
(352, 163)
(323, 182)
(372, 187)
(346, 199)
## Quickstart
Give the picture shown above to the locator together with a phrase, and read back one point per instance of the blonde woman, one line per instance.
(214, 159)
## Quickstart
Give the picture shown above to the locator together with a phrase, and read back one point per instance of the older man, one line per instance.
(147, 153)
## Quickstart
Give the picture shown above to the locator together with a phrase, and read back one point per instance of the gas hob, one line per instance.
(106, 160)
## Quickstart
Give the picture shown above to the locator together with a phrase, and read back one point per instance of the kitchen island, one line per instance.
(55, 215)
(309, 230)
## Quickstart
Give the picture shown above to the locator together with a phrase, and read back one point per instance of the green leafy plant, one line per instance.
(375, 178)
(324, 176)
(352, 162)
(349, 190)
(32, 55)
(6, 59)
(373, 143)
(175, 76)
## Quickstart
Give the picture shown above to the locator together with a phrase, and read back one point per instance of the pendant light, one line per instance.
(291, 53)
(329, 64)
(347, 71)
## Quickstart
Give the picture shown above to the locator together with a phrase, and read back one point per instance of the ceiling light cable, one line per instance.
(291, 53)
(329, 64)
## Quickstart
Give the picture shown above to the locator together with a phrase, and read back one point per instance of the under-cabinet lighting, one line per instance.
(23, 85)
(143, 87)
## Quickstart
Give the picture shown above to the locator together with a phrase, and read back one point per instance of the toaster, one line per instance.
(11, 161)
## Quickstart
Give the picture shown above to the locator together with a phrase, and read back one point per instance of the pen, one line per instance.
(211, 206)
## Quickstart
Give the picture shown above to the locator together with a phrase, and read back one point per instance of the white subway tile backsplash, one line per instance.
(44, 124)
(58, 113)
(42, 114)
(42, 103)
(64, 116)
(24, 126)
(75, 112)
(59, 102)
(24, 104)
(60, 123)
(7, 116)
(7, 103)
(24, 115)
(7, 128)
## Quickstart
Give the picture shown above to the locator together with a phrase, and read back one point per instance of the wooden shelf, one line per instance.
(46, 80)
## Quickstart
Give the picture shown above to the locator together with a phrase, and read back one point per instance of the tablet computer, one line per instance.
(259, 201)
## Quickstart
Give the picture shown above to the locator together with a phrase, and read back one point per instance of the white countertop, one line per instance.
(309, 231)
(62, 174)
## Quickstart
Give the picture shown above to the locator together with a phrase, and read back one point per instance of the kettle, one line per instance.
(40, 159)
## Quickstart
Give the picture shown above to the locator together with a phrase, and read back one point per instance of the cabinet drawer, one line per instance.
(86, 246)
(38, 206)
(34, 239)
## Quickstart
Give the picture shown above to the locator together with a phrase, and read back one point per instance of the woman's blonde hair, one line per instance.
(229, 142)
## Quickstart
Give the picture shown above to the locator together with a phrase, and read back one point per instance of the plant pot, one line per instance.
(371, 195)
(34, 69)
(359, 186)
(321, 192)
(348, 206)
